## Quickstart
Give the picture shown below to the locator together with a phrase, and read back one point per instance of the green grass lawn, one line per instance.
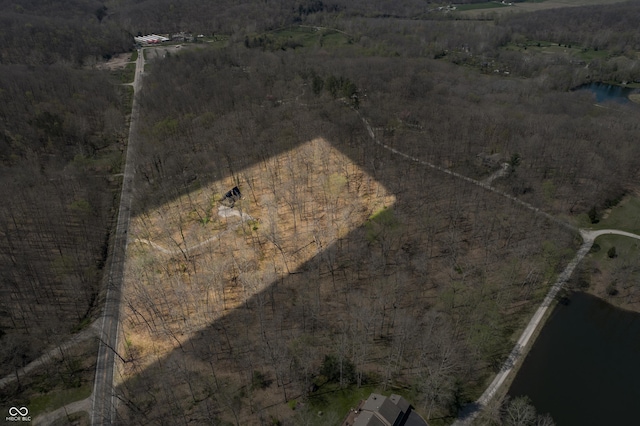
(626, 248)
(300, 37)
(127, 74)
(57, 398)
(541, 46)
(217, 41)
(618, 276)
(625, 217)
(475, 6)
(590, 54)
(331, 399)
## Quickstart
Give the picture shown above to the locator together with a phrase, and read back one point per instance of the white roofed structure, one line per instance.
(151, 39)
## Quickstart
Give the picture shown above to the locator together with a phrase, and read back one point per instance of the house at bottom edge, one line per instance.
(379, 410)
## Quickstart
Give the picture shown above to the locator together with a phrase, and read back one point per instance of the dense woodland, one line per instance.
(425, 300)
(54, 32)
(61, 142)
(62, 132)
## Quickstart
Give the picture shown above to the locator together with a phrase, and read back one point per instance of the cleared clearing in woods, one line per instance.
(302, 201)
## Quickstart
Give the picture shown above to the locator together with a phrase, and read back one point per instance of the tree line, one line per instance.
(77, 33)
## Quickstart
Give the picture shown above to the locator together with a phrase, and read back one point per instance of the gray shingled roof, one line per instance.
(379, 410)
(368, 418)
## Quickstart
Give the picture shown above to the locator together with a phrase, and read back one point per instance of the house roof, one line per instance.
(368, 418)
(379, 410)
(402, 403)
(152, 38)
(414, 419)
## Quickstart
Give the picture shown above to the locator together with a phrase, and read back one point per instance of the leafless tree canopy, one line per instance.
(348, 261)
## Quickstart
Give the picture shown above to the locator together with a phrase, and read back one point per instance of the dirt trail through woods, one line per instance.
(469, 413)
(53, 354)
(223, 212)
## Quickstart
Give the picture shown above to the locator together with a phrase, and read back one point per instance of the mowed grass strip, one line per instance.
(476, 6)
(540, 46)
(624, 217)
(299, 37)
(58, 398)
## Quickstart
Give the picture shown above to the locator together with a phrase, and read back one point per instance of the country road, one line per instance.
(103, 401)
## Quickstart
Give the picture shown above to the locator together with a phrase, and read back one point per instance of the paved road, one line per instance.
(103, 397)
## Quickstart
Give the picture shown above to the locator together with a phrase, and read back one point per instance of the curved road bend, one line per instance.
(103, 396)
(520, 349)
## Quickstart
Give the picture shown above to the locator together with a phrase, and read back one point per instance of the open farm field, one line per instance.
(533, 6)
(479, 6)
(299, 37)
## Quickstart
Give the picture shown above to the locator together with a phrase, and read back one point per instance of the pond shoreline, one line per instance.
(585, 356)
(605, 92)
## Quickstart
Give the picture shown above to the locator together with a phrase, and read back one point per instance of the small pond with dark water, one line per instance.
(608, 92)
(584, 367)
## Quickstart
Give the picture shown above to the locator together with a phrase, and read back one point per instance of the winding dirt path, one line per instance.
(48, 418)
(53, 354)
(484, 185)
(222, 211)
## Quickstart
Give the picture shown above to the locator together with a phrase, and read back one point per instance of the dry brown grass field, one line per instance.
(300, 202)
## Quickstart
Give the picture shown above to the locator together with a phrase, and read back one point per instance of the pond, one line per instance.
(584, 368)
(608, 92)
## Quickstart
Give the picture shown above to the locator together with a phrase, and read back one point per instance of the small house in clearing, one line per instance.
(231, 197)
